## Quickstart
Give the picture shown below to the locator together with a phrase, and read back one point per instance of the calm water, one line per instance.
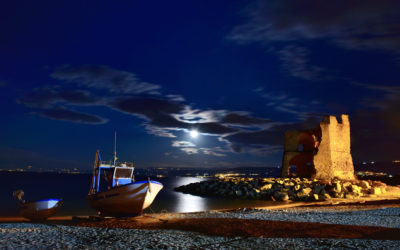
(73, 189)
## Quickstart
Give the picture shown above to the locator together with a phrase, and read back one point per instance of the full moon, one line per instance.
(194, 133)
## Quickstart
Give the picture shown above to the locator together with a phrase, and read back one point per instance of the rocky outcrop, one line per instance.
(283, 189)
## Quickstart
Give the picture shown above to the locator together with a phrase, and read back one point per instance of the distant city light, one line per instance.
(194, 133)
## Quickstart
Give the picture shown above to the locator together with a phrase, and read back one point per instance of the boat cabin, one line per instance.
(108, 176)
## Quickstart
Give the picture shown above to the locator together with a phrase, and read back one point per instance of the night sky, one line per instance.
(238, 72)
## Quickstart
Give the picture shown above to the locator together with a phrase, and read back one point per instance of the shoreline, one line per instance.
(365, 203)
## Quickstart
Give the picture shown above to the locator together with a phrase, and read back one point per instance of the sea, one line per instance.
(73, 188)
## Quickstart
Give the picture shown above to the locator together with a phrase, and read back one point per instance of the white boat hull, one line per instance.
(39, 210)
(126, 200)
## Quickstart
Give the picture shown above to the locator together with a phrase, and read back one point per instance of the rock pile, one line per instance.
(283, 189)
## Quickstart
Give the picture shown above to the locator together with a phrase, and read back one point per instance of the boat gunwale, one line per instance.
(28, 202)
(117, 187)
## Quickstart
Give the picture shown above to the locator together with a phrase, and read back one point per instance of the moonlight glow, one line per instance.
(194, 133)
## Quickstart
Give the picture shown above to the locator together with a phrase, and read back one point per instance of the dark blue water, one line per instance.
(73, 190)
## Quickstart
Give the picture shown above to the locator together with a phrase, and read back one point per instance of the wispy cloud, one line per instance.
(190, 151)
(182, 144)
(282, 26)
(283, 102)
(48, 98)
(243, 118)
(157, 131)
(295, 60)
(359, 24)
(71, 116)
(265, 139)
(215, 151)
(176, 98)
(106, 78)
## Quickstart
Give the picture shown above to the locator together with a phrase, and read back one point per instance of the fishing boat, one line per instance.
(39, 209)
(114, 191)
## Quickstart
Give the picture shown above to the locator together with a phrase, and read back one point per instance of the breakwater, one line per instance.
(283, 189)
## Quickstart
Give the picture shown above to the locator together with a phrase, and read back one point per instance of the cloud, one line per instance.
(282, 102)
(389, 90)
(176, 98)
(265, 150)
(181, 144)
(216, 151)
(149, 107)
(53, 103)
(71, 116)
(295, 60)
(266, 138)
(47, 98)
(190, 151)
(282, 26)
(359, 24)
(106, 78)
(157, 131)
(190, 115)
(162, 113)
(244, 119)
(214, 128)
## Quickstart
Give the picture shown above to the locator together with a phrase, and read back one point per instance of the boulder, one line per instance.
(318, 188)
(325, 197)
(266, 187)
(347, 186)
(376, 190)
(252, 194)
(355, 189)
(279, 196)
(304, 193)
(365, 184)
(337, 187)
(297, 187)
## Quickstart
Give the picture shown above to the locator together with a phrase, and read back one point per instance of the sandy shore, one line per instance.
(373, 224)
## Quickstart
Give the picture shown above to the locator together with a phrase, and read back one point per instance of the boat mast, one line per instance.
(115, 147)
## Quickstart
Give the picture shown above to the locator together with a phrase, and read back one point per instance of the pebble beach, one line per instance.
(53, 235)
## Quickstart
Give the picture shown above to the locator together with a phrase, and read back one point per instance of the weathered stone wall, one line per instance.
(299, 150)
(334, 158)
(322, 153)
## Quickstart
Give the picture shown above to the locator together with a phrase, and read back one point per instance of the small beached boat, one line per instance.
(114, 192)
(39, 209)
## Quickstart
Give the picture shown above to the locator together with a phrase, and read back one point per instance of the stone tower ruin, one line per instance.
(322, 153)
